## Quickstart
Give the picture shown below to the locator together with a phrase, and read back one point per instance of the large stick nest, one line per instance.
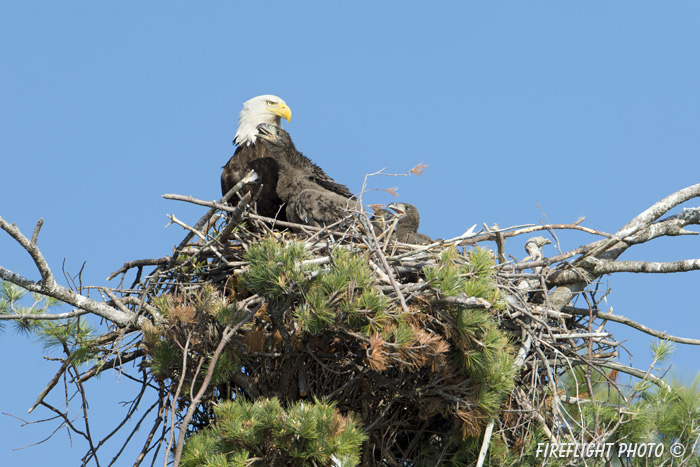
(427, 344)
(430, 346)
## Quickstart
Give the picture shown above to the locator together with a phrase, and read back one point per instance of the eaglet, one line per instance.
(407, 227)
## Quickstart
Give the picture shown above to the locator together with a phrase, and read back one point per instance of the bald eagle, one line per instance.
(312, 197)
(252, 155)
(407, 227)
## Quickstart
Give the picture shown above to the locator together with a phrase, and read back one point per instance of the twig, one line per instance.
(485, 444)
(31, 247)
(176, 396)
(141, 262)
(377, 251)
(626, 321)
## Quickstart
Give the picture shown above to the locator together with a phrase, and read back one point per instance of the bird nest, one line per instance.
(430, 345)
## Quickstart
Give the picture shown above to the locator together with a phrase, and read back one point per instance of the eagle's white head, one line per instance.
(261, 109)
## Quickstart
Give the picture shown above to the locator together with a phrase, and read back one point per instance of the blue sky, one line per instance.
(581, 108)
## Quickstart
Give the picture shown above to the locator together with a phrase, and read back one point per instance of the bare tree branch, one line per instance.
(601, 267)
(45, 316)
(628, 322)
(64, 295)
(31, 248)
(141, 262)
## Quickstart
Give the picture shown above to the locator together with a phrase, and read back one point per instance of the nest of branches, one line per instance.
(425, 343)
(441, 350)
(409, 338)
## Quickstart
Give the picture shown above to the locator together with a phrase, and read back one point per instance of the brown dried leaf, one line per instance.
(184, 313)
(377, 358)
(472, 422)
(377, 207)
(419, 169)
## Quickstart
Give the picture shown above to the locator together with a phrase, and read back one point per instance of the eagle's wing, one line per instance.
(320, 177)
(318, 207)
(417, 238)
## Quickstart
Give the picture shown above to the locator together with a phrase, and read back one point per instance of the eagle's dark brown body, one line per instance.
(311, 196)
(255, 157)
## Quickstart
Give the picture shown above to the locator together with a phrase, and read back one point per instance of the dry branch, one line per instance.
(633, 324)
(48, 286)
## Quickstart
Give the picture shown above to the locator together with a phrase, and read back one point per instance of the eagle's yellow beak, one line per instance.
(281, 110)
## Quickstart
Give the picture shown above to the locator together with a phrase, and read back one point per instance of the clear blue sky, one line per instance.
(583, 108)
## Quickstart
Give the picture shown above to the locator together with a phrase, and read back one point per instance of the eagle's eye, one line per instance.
(270, 103)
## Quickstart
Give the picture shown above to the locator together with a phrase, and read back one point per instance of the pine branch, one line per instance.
(48, 286)
(228, 333)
